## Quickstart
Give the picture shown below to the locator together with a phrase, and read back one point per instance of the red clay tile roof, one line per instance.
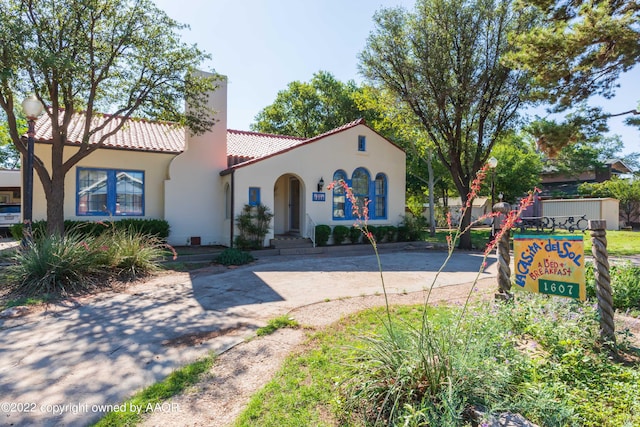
(243, 146)
(136, 134)
(292, 144)
(142, 135)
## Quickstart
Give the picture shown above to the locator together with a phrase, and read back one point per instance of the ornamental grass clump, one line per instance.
(129, 253)
(55, 265)
(76, 262)
(432, 372)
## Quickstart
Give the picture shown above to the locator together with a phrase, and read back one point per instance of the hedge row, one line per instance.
(151, 227)
(381, 233)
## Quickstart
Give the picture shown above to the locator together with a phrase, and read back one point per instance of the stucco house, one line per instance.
(199, 184)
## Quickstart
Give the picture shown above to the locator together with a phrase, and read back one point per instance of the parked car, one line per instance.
(9, 215)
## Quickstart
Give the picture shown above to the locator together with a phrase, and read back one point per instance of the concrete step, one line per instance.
(289, 243)
(302, 251)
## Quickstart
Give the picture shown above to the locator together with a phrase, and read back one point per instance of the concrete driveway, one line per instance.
(70, 364)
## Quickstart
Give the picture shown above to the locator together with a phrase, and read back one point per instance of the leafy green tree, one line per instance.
(591, 153)
(309, 109)
(84, 56)
(444, 62)
(577, 49)
(9, 155)
(627, 191)
(519, 167)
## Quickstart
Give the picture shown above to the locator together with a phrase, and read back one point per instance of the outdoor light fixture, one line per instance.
(320, 184)
(32, 108)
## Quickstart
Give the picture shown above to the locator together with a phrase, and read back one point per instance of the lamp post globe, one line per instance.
(32, 108)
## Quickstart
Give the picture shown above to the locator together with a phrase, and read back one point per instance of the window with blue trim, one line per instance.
(109, 192)
(380, 201)
(339, 199)
(372, 194)
(254, 196)
(362, 143)
(360, 187)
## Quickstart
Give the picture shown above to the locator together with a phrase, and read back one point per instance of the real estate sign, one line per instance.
(551, 264)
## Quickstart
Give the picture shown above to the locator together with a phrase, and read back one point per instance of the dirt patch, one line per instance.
(199, 338)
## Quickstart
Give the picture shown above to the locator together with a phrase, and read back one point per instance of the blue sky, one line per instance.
(262, 45)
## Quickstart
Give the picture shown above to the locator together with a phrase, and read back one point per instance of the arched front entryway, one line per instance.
(288, 209)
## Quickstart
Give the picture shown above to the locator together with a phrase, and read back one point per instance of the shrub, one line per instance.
(76, 262)
(55, 265)
(392, 233)
(340, 232)
(418, 369)
(151, 227)
(253, 224)
(355, 234)
(322, 234)
(129, 253)
(380, 233)
(412, 227)
(234, 256)
(625, 285)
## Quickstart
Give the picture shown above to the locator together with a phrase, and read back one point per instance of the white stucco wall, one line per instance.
(320, 159)
(194, 190)
(154, 166)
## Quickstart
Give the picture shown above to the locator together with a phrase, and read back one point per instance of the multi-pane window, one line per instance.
(380, 200)
(109, 192)
(362, 143)
(339, 201)
(360, 186)
(373, 194)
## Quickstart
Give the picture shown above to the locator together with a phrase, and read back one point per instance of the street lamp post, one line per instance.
(32, 108)
(493, 163)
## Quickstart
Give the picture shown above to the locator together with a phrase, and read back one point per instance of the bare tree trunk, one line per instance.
(465, 238)
(55, 205)
(432, 208)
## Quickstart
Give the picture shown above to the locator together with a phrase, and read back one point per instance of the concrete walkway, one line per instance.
(63, 365)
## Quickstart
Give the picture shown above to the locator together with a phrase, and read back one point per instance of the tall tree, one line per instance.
(444, 61)
(83, 56)
(627, 191)
(519, 167)
(306, 109)
(578, 49)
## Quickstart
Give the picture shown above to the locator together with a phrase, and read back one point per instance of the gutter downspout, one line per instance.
(232, 214)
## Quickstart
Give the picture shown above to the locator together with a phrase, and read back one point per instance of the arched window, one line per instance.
(372, 194)
(339, 200)
(360, 186)
(380, 200)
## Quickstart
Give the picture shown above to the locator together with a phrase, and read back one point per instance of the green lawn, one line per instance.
(619, 243)
(558, 377)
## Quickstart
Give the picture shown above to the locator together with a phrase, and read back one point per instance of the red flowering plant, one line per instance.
(410, 363)
(360, 210)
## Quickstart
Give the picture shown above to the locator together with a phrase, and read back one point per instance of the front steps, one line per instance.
(293, 245)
